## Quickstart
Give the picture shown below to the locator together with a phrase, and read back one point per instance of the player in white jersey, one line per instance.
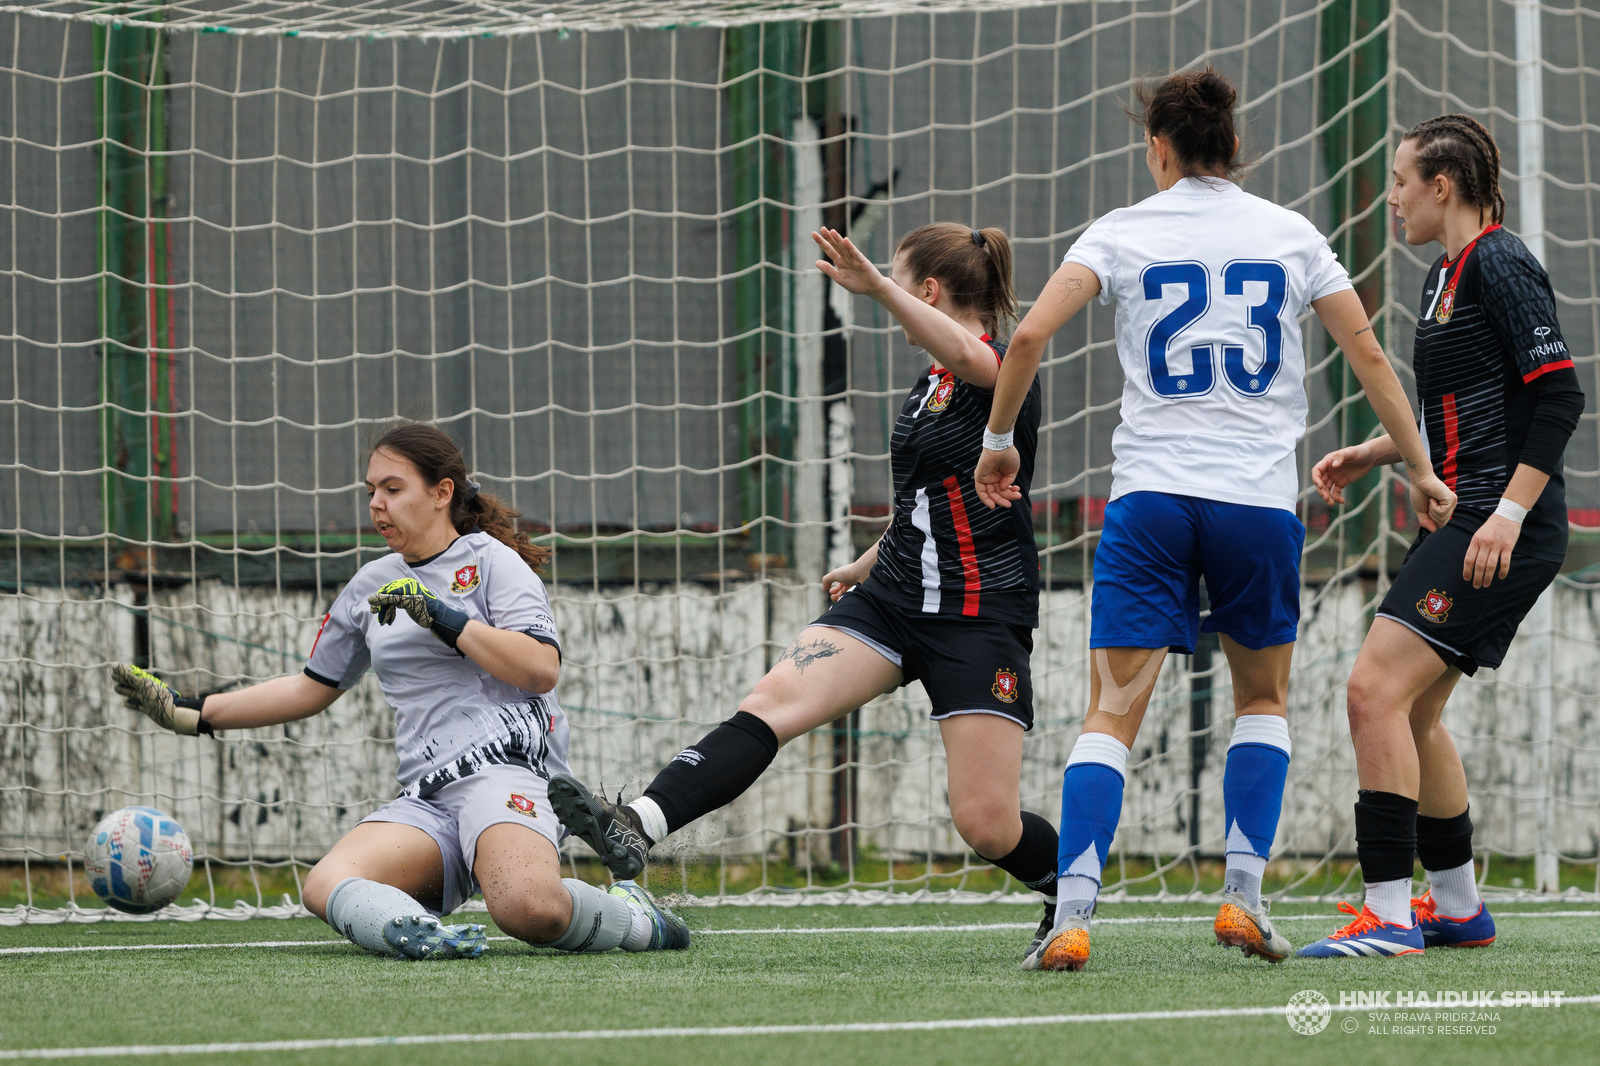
(471, 672)
(1210, 283)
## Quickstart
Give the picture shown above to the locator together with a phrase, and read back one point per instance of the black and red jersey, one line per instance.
(945, 552)
(1496, 382)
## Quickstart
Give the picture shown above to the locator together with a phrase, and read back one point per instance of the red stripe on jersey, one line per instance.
(320, 628)
(1562, 365)
(1452, 440)
(969, 553)
(990, 342)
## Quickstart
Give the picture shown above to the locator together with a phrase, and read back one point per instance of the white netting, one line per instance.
(232, 257)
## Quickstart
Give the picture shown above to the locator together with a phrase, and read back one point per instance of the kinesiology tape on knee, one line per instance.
(1033, 860)
(600, 920)
(1386, 835)
(1119, 699)
(715, 771)
(1444, 843)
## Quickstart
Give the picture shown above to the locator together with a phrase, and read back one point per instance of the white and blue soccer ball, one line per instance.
(138, 859)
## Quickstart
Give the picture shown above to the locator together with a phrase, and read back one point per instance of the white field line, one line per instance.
(774, 931)
(634, 1034)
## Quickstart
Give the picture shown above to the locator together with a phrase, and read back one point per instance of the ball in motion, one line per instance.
(138, 859)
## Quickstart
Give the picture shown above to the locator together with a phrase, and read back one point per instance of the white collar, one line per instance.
(1207, 186)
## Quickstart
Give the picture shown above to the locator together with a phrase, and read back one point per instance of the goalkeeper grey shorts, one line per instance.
(455, 814)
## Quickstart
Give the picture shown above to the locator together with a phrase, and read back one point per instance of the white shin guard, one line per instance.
(600, 921)
(358, 909)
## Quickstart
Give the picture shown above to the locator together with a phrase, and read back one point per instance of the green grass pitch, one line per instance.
(757, 967)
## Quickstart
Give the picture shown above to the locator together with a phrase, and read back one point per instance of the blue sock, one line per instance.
(1091, 804)
(1252, 799)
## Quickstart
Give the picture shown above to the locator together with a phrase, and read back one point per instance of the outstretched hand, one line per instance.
(845, 264)
(1337, 471)
(996, 476)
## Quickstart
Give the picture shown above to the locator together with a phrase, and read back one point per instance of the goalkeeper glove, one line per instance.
(159, 701)
(427, 610)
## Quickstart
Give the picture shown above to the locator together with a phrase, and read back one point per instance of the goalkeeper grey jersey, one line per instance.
(451, 716)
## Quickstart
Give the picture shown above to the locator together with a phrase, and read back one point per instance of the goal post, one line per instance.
(239, 241)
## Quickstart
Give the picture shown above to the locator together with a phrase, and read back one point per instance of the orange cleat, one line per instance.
(1238, 925)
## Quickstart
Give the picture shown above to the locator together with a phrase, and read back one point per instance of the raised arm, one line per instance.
(967, 357)
(1072, 286)
(1346, 322)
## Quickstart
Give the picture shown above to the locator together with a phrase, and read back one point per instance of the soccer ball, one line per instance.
(138, 859)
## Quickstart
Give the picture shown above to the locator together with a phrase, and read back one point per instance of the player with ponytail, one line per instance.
(1210, 283)
(948, 596)
(471, 674)
(1500, 398)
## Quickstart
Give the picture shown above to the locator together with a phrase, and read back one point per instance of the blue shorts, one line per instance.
(1156, 547)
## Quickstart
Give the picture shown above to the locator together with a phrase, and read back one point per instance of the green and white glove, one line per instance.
(427, 610)
(159, 701)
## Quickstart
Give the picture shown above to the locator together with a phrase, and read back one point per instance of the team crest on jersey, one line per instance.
(941, 395)
(522, 805)
(466, 580)
(1447, 305)
(1005, 685)
(1434, 606)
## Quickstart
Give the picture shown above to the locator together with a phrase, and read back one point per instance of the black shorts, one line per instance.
(1468, 627)
(966, 665)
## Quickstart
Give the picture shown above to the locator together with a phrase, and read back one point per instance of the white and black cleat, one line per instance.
(1046, 926)
(615, 833)
(421, 937)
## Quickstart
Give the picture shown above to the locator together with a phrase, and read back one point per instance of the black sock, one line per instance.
(1033, 861)
(715, 771)
(1386, 835)
(1444, 843)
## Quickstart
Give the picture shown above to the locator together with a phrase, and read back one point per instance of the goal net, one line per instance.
(240, 240)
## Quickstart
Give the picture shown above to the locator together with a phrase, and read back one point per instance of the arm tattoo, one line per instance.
(1365, 329)
(1069, 285)
(805, 652)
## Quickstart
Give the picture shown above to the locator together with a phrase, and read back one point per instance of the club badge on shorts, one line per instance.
(1005, 685)
(941, 395)
(1434, 606)
(522, 805)
(466, 580)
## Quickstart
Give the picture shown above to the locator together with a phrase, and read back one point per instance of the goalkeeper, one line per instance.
(949, 596)
(458, 628)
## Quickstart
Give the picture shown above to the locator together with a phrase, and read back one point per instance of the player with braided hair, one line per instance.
(478, 729)
(1500, 398)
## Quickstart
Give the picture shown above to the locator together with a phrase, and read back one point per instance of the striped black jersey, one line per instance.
(945, 552)
(1496, 382)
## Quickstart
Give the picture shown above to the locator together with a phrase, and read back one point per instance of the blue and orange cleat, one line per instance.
(1439, 931)
(1366, 937)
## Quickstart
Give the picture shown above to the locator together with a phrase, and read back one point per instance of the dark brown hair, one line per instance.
(973, 265)
(1458, 147)
(436, 457)
(1193, 110)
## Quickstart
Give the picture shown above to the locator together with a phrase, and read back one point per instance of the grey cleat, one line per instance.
(1248, 928)
(615, 833)
(667, 931)
(423, 936)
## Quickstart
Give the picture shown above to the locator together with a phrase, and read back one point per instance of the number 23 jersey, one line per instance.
(1210, 283)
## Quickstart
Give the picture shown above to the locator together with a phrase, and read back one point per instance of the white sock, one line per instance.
(600, 921)
(655, 823)
(1075, 895)
(1391, 901)
(1243, 875)
(638, 938)
(1455, 892)
(358, 910)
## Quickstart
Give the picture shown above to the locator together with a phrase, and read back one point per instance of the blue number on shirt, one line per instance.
(1199, 380)
(1263, 317)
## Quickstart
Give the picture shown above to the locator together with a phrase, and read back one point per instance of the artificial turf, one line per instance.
(332, 990)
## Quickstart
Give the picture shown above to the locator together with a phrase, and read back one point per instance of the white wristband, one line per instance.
(997, 442)
(1514, 511)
